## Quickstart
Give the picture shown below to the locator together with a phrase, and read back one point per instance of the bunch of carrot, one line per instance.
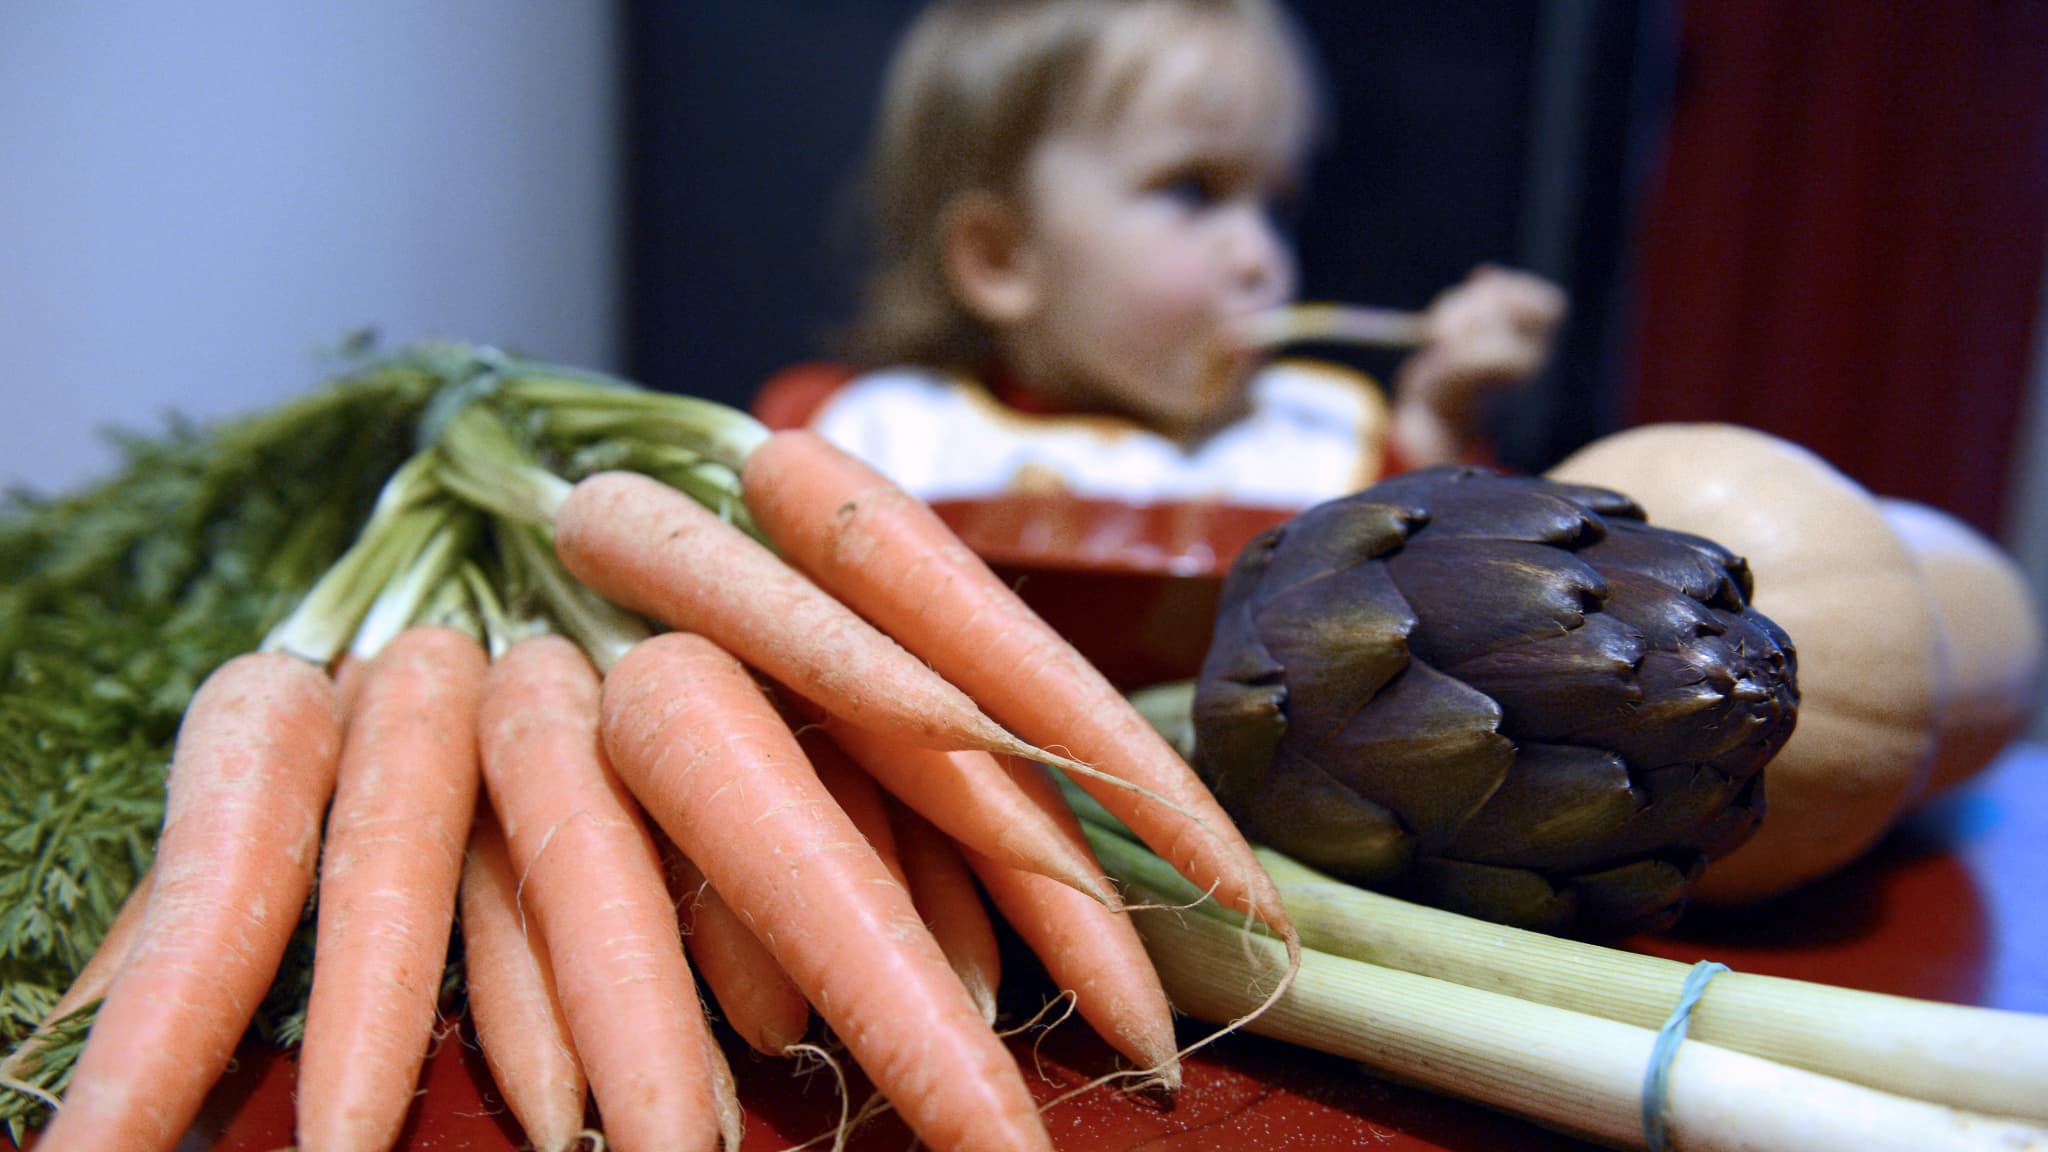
(639, 695)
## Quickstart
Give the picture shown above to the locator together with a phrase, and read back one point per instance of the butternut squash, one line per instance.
(1912, 637)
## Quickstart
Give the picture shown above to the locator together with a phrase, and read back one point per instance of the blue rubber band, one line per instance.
(1657, 1078)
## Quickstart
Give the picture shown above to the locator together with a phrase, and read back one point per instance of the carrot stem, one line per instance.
(406, 517)
(404, 597)
(605, 631)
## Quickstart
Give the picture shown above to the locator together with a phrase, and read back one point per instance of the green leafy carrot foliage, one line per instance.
(115, 602)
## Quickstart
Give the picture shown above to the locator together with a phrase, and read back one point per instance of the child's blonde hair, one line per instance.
(975, 85)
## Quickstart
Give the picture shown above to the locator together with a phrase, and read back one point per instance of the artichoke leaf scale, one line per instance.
(1564, 687)
(1665, 621)
(1560, 810)
(1239, 698)
(1643, 895)
(1697, 806)
(1354, 838)
(1514, 896)
(1327, 538)
(1468, 501)
(1347, 655)
(1427, 747)
(1694, 565)
(1472, 595)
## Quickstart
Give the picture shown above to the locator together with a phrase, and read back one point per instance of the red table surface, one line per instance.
(1953, 906)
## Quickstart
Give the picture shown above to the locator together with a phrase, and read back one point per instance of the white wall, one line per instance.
(196, 198)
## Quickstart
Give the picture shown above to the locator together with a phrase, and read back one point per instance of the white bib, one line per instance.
(1314, 431)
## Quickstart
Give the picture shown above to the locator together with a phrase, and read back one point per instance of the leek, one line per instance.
(1562, 1069)
(1977, 1060)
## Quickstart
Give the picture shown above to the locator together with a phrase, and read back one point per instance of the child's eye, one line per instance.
(1192, 190)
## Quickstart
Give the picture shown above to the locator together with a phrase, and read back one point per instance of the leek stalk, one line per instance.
(1562, 1069)
(1979, 1060)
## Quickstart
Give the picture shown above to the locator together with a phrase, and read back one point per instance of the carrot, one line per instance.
(969, 952)
(1091, 951)
(590, 876)
(717, 766)
(889, 557)
(969, 794)
(761, 1003)
(347, 674)
(396, 833)
(89, 986)
(650, 548)
(512, 1001)
(946, 896)
(856, 794)
(947, 912)
(250, 777)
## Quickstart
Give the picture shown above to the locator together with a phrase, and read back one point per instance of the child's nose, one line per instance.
(1262, 265)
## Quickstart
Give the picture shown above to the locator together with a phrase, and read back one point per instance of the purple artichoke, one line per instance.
(1497, 694)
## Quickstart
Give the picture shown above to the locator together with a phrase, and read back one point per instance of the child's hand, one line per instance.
(1484, 336)
(1494, 328)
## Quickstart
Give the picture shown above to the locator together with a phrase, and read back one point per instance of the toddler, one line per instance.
(1074, 216)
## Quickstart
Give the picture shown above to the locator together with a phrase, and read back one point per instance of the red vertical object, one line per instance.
(1845, 245)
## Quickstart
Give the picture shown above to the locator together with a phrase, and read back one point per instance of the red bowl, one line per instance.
(1133, 586)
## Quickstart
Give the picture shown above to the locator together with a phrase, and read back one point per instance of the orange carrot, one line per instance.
(590, 876)
(856, 794)
(761, 1003)
(650, 548)
(889, 557)
(970, 796)
(512, 1001)
(396, 834)
(945, 915)
(347, 674)
(250, 779)
(1091, 951)
(934, 890)
(89, 985)
(950, 902)
(717, 766)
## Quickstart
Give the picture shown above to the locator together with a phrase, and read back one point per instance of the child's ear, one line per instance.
(988, 259)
